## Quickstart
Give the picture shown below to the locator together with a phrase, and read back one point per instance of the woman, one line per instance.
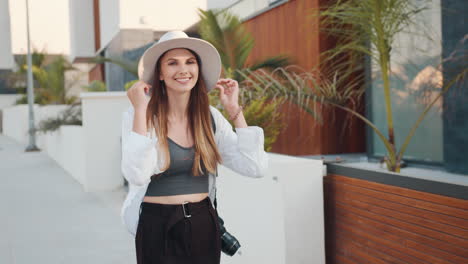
(170, 153)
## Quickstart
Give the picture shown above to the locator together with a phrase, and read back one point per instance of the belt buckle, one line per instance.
(185, 212)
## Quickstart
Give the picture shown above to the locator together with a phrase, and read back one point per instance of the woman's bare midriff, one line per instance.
(184, 140)
(176, 199)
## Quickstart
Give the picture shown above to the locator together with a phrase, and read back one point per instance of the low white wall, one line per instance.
(66, 146)
(102, 119)
(279, 218)
(16, 120)
(90, 153)
(7, 100)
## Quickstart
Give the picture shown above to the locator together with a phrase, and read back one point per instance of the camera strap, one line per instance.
(215, 203)
(214, 131)
(216, 189)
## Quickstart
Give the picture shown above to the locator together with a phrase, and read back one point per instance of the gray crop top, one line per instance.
(178, 178)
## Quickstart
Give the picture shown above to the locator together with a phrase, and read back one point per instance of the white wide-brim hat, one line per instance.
(209, 56)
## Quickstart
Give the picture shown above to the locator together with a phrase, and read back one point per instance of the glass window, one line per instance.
(416, 79)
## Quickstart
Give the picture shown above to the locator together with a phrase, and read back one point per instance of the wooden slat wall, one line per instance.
(97, 25)
(369, 222)
(288, 29)
(96, 73)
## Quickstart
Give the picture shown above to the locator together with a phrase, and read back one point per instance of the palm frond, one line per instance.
(271, 63)
(130, 66)
(234, 43)
(210, 30)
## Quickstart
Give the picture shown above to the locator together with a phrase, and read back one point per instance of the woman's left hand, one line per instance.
(228, 94)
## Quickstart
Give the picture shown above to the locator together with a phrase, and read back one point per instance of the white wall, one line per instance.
(246, 8)
(212, 4)
(7, 100)
(157, 15)
(102, 119)
(6, 58)
(277, 219)
(252, 210)
(109, 19)
(160, 15)
(66, 146)
(16, 120)
(49, 26)
(81, 28)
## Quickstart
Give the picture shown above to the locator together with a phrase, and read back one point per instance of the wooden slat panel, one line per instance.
(403, 236)
(421, 249)
(343, 250)
(273, 34)
(364, 203)
(433, 198)
(345, 189)
(377, 250)
(368, 222)
(381, 193)
(362, 244)
(384, 240)
(344, 260)
(403, 225)
(358, 253)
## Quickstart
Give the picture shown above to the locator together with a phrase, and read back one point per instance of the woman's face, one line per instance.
(179, 70)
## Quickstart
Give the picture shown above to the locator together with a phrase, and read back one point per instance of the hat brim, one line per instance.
(209, 56)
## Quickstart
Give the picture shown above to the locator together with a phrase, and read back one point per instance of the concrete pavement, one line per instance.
(47, 218)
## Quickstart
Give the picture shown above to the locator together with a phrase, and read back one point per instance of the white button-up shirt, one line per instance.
(243, 152)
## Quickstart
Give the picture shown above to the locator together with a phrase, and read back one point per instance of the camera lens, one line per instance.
(229, 244)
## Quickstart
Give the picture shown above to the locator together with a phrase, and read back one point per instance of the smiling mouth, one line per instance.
(183, 80)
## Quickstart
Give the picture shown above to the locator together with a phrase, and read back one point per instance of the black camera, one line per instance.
(229, 244)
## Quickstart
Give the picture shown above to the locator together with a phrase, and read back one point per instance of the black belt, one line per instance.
(184, 212)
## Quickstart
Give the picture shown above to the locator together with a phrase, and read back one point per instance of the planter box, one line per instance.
(278, 218)
(378, 217)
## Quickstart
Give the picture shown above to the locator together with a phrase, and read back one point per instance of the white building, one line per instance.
(6, 54)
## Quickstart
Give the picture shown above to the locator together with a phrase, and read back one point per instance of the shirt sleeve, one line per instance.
(242, 151)
(139, 155)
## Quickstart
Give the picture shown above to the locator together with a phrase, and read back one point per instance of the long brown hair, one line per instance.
(198, 111)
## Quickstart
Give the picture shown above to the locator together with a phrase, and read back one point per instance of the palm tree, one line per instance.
(369, 27)
(128, 65)
(234, 44)
(360, 28)
(17, 79)
(50, 77)
(228, 35)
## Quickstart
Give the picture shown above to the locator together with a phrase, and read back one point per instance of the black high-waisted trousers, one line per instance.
(169, 234)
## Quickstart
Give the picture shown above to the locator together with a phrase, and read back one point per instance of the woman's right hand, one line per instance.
(137, 95)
